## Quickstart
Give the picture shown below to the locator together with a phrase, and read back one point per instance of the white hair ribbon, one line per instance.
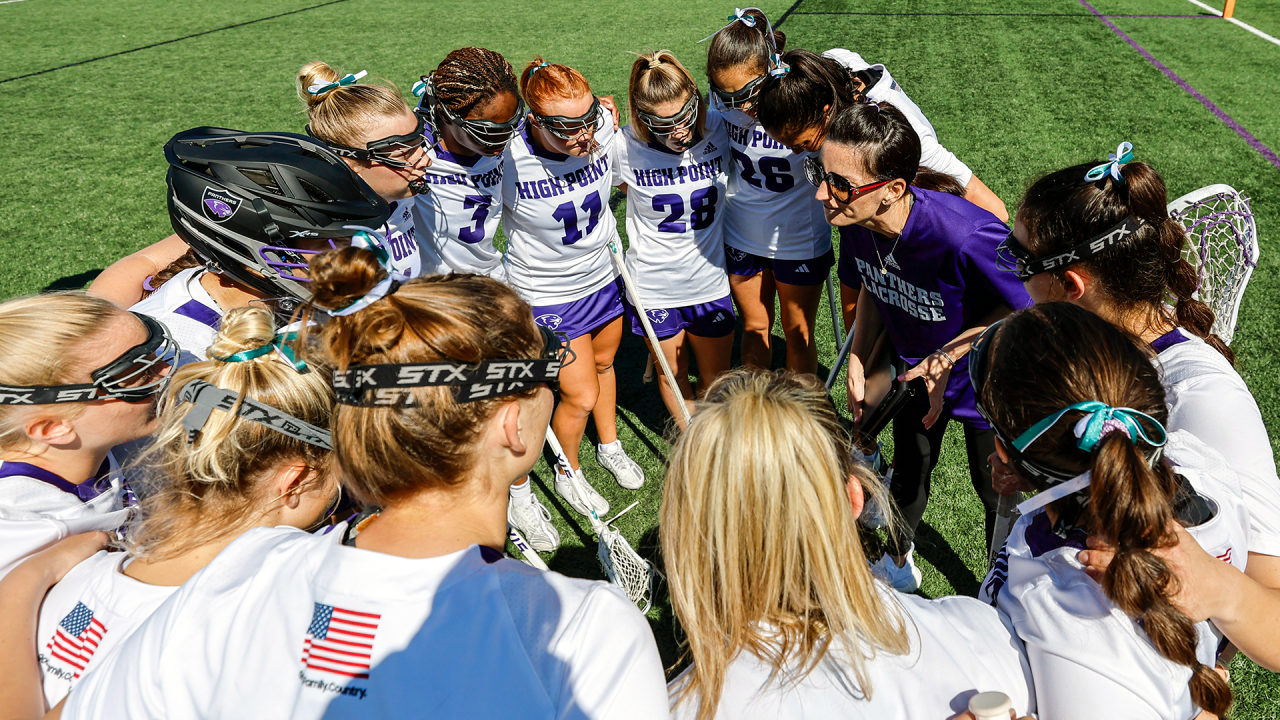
(348, 79)
(373, 240)
(1057, 492)
(1117, 159)
(740, 15)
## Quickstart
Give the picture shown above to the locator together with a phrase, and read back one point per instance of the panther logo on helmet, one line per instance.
(219, 206)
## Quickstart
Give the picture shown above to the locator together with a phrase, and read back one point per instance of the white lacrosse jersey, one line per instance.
(401, 234)
(959, 647)
(38, 508)
(772, 211)
(86, 616)
(675, 216)
(189, 312)
(932, 154)
(284, 624)
(460, 213)
(557, 219)
(1209, 399)
(1076, 638)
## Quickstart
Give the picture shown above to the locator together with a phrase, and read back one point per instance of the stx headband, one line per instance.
(207, 397)
(117, 379)
(391, 385)
(1012, 256)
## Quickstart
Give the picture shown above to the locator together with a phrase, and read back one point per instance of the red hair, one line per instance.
(550, 82)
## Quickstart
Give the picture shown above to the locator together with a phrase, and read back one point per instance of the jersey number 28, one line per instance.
(568, 214)
(702, 201)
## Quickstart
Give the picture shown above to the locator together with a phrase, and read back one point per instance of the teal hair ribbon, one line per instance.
(1115, 160)
(1101, 420)
(348, 79)
(777, 68)
(373, 240)
(278, 343)
(739, 15)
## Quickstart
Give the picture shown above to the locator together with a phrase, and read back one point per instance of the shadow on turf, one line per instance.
(72, 282)
(933, 547)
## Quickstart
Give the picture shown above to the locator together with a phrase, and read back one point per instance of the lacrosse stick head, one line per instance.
(625, 568)
(1222, 244)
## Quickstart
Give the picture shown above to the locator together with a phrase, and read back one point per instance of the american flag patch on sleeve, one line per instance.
(340, 641)
(76, 638)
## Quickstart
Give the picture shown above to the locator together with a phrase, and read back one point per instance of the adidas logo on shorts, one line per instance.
(805, 268)
(719, 316)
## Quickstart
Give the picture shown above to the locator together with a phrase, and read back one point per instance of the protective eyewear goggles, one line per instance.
(570, 128)
(490, 135)
(139, 373)
(392, 384)
(669, 125)
(841, 189)
(741, 98)
(395, 151)
(1013, 257)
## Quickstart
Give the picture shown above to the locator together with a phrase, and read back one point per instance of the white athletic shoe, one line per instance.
(576, 491)
(534, 522)
(903, 579)
(626, 471)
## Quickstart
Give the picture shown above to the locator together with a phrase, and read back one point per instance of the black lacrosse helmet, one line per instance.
(254, 206)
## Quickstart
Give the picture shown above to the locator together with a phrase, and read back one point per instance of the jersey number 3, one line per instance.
(475, 233)
(703, 203)
(568, 214)
(776, 172)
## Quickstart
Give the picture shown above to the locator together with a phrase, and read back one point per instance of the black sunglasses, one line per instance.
(841, 189)
(742, 97)
(387, 150)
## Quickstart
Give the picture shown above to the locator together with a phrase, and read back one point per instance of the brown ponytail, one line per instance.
(740, 44)
(931, 179)
(1138, 275)
(1051, 356)
(388, 451)
(813, 91)
(188, 260)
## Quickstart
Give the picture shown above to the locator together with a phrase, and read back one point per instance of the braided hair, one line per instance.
(472, 76)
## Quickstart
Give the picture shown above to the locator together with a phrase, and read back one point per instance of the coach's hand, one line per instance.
(936, 371)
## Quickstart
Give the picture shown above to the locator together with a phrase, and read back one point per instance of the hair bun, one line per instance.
(312, 73)
(340, 277)
(242, 329)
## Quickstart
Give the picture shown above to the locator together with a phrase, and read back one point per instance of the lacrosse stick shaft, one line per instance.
(616, 251)
(562, 460)
(840, 359)
(530, 555)
(1004, 523)
(648, 368)
(836, 330)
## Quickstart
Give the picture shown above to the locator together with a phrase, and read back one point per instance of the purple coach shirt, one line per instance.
(941, 279)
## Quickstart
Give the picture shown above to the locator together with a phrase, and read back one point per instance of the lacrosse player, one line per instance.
(369, 126)
(80, 376)
(557, 178)
(776, 242)
(671, 160)
(926, 265)
(473, 109)
(795, 108)
(213, 477)
(1098, 235)
(433, 425)
(768, 580)
(1080, 412)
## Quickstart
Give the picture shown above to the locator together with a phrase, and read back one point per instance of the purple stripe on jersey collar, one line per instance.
(441, 153)
(1042, 539)
(1168, 340)
(86, 491)
(537, 149)
(200, 312)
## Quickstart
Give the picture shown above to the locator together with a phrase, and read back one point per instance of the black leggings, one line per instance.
(915, 454)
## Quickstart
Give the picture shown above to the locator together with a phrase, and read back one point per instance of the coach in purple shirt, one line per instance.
(925, 263)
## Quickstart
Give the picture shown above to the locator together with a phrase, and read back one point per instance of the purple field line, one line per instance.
(1254, 142)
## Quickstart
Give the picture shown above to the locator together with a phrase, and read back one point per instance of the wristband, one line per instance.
(948, 357)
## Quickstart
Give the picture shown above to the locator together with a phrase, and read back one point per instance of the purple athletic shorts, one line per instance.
(710, 320)
(813, 271)
(579, 317)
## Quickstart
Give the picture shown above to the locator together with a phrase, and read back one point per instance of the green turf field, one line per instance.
(89, 92)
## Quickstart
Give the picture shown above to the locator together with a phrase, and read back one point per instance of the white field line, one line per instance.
(1246, 26)
(6, 2)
